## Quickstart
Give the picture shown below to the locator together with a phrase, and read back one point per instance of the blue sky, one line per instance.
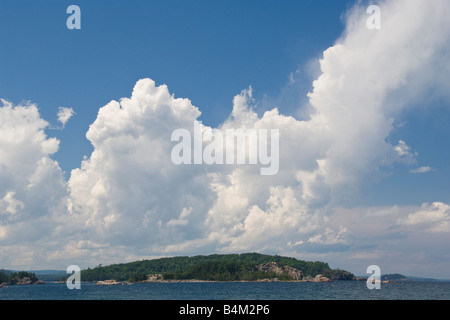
(209, 52)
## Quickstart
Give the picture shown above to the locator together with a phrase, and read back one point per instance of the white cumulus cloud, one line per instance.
(32, 187)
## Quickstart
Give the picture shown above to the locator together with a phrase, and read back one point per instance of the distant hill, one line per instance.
(400, 277)
(215, 267)
(412, 278)
(394, 277)
(49, 275)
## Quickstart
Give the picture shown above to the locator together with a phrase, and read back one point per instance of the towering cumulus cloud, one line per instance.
(130, 192)
(129, 200)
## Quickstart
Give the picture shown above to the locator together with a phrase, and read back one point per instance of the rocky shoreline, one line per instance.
(21, 282)
(318, 278)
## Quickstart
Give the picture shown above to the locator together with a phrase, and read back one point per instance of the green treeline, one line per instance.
(223, 271)
(216, 267)
(11, 278)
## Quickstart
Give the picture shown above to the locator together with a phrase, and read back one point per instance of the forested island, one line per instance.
(18, 278)
(217, 267)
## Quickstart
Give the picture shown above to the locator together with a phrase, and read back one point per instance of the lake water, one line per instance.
(338, 290)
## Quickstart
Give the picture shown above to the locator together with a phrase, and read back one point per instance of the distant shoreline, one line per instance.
(114, 282)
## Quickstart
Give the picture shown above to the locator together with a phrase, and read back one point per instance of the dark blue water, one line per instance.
(338, 290)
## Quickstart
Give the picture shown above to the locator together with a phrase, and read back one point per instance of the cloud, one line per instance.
(11, 204)
(64, 114)
(436, 216)
(404, 152)
(397, 238)
(293, 76)
(128, 191)
(129, 200)
(324, 160)
(32, 188)
(329, 236)
(421, 170)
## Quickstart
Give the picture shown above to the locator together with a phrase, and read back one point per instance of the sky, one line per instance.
(363, 114)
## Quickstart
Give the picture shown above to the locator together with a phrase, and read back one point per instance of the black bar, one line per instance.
(227, 309)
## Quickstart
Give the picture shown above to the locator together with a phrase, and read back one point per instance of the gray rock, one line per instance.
(273, 267)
